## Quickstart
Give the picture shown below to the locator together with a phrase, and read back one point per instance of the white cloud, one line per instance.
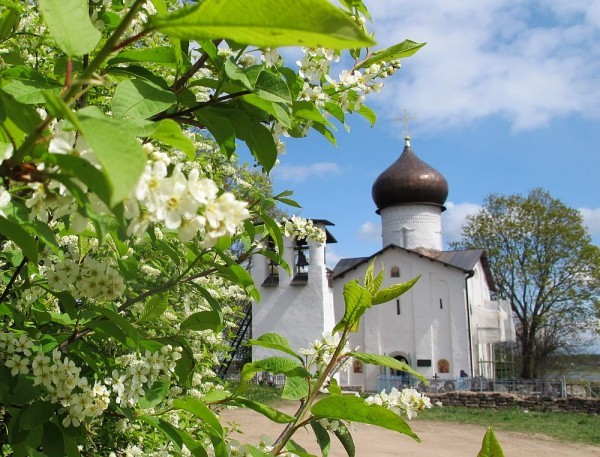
(331, 257)
(591, 218)
(529, 62)
(370, 232)
(454, 217)
(301, 173)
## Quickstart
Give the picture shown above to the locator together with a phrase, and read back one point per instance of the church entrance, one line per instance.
(396, 378)
(400, 373)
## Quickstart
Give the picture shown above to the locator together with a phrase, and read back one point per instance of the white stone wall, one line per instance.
(412, 226)
(301, 313)
(422, 330)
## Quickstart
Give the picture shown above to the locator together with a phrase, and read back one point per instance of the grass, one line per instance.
(569, 427)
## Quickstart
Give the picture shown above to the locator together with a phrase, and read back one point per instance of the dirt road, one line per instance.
(438, 439)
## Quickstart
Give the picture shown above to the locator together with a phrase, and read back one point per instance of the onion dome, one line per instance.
(409, 181)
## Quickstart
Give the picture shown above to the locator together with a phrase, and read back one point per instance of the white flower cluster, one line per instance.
(299, 228)
(187, 204)
(141, 371)
(59, 376)
(321, 351)
(88, 279)
(408, 401)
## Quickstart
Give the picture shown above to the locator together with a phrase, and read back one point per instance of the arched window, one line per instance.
(357, 366)
(443, 366)
(395, 273)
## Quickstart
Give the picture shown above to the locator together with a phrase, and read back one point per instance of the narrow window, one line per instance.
(441, 304)
(398, 307)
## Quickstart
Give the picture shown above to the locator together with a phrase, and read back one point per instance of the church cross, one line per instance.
(405, 120)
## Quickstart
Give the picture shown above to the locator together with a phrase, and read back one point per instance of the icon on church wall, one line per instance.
(357, 366)
(395, 273)
(443, 366)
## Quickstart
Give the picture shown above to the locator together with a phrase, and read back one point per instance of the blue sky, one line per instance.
(507, 98)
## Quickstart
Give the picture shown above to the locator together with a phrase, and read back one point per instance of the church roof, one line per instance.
(409, 180)
(464, 260)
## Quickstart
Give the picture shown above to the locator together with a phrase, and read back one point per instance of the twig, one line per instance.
(192, 71)
(12, 280)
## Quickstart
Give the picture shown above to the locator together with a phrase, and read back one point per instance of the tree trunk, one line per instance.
(527, 353)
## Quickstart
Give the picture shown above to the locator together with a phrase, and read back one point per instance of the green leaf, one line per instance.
(154, 308)
(52, 441)
(8, 21)
(262, 145)
(36, 414)
(203, 320)
(266, 23)
(295, 388)
(70, 25)
(219, 127)
(164, 55)
(275, 341)
(386, 361)
(169, 132)
(357, 300)
(351, 408)
(392, 292)
(345, 437)
(368, 114)
(203, 412)
(154, 395)
(272, 414)
(140, 99)
(276, 110)
(405, 49)
(29, 91)
(334, 388)
(275, 365)
(118, 151)
(20, 237)
(490, 447)
(121, 322)
(296, 449)
(83, 170)
(322, 437)
(235, 73)
(271, 87)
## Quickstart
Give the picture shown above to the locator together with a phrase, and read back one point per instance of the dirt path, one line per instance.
(438, 439)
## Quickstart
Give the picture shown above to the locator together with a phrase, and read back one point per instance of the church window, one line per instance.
(441, 304)
(357, 366)
(443, 366)
(272, 278)
(398, 310)
(301, 262)
(395, 272)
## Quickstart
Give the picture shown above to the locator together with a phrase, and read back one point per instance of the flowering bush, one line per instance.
(125, 220)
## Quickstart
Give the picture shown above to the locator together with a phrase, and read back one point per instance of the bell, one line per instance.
(301, 262)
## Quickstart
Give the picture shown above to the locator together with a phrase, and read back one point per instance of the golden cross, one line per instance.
(405, 119)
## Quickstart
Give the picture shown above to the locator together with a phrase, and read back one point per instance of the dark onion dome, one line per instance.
(409, 180)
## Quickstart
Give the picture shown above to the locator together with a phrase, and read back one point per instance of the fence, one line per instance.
(561, 388)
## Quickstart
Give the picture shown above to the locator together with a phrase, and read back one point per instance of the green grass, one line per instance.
(569, 427)
(262, 394)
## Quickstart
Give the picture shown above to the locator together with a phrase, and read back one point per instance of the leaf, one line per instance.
(368, 114)
(392, 292)
(357, 300)
(169, 132)
(29, 91)
(351, 408)
(266, 23)
(272, 414)
(83, 170)
(20, 237)
(203, 320)
(52, 441)
(295, 388)
(345, 437)
(296, 449)
(8, 21)
(70, 25)
(121, 322)
(140, 99)
(154, 395)
(154, 308)
(275, 365)
(36, 415)
(219, 127)
(490, 447)
(271, 87)
(160, 54)
(386, 361)
(118, 151)
(262, 145)
(203, 412)
(275, 341)
(405, 49)
(235, 73)
(322, 437)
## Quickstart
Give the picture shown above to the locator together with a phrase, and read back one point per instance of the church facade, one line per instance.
(445, 326)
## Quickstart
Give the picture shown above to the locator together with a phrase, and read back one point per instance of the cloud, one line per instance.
(591, 218)
(529, 62)
(301, 173)
(370, 232)
(331, 257)
(454, 217)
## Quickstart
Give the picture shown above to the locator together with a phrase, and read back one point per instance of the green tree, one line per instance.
(542, 261)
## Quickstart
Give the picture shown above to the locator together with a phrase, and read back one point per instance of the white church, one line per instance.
(447, 323)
